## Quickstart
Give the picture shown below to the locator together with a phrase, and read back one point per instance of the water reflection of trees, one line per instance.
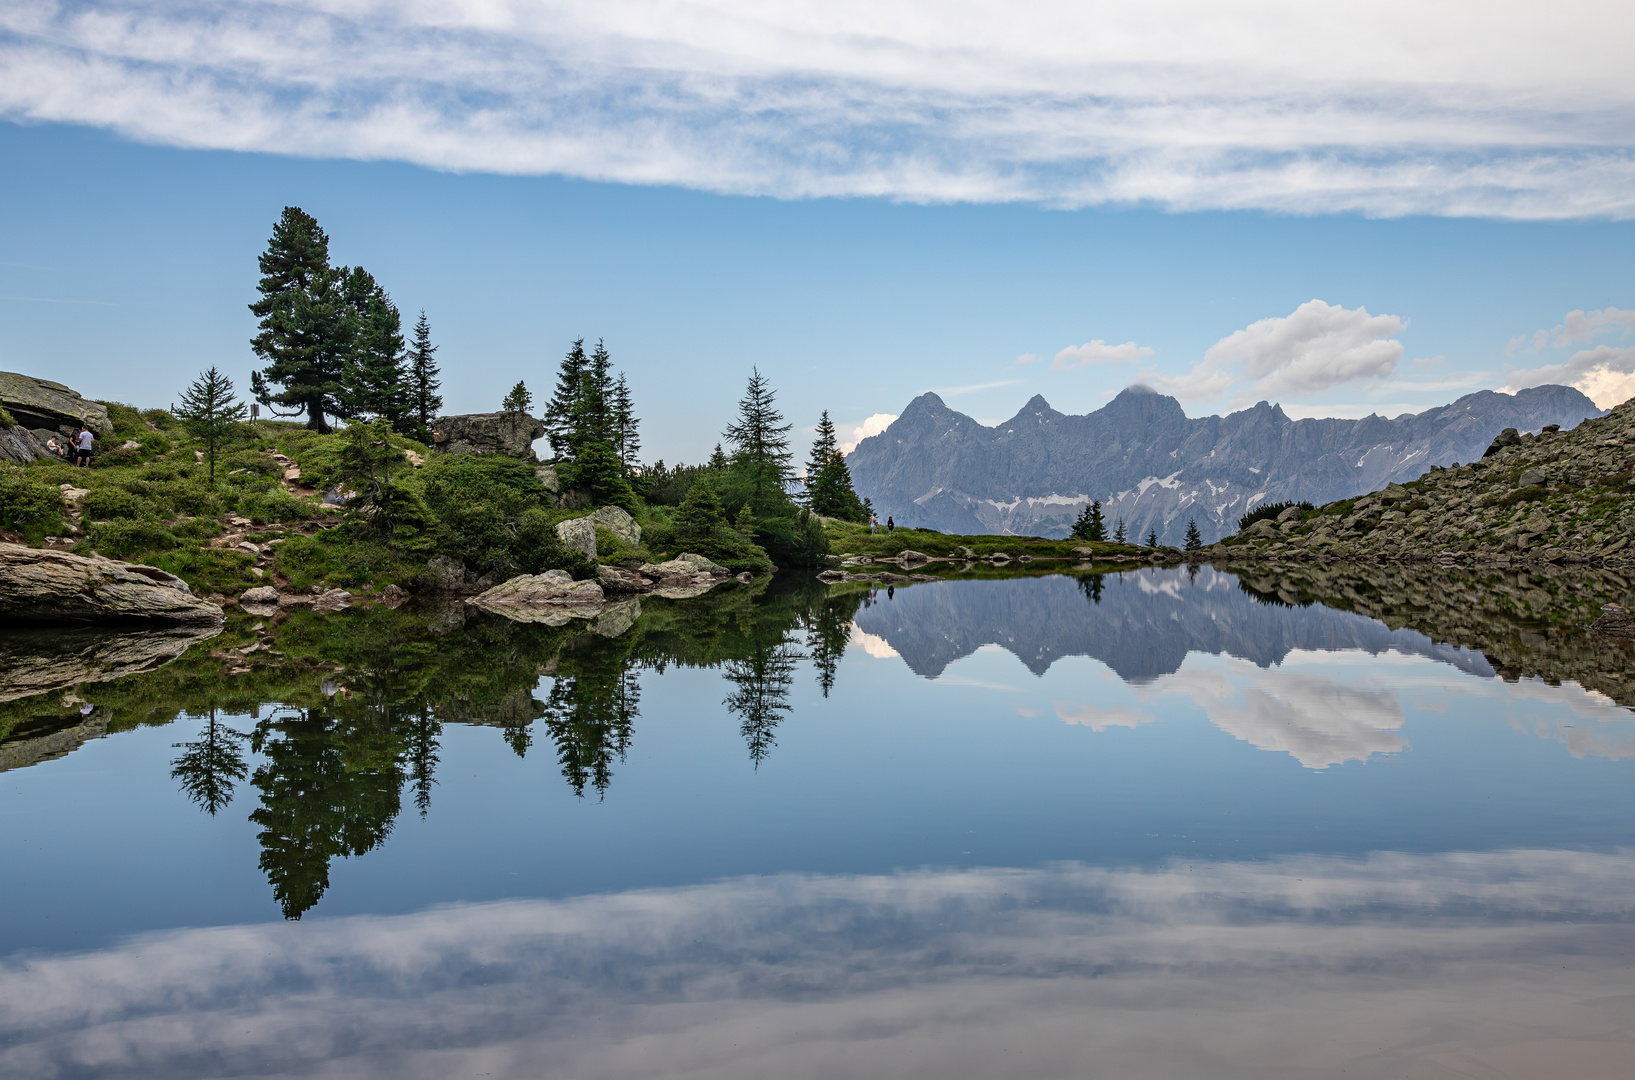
(363, 698)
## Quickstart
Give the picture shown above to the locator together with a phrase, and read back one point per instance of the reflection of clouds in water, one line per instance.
(1343, 713)
(873, 644)
(1169, 585)
(1099, 718)
(1390, 966)
(1316, 720)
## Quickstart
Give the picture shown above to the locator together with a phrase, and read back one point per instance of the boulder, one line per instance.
(551, 587)
(446, 574)
(579, 534)
(55, 587)
(1532, 477)
(510, 434)
(909, 556)
(546, 474)
(1508, 437)
(261, 594)
(41, 403)
(18, 446)
(394, 596)
(615, 580)
(685, 565)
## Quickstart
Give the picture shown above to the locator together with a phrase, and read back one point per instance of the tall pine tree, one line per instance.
(824, 447)
(561, 409)
(1091, 524)
(760, 438)
(375, 381)
(304, 334)
(627, 441)
(424, 401)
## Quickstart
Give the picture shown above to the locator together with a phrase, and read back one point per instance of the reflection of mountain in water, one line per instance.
(1143, 626)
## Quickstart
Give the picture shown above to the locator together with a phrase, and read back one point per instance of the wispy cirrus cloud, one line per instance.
(1379, 107)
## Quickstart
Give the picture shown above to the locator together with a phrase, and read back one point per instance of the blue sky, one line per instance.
(868, 202)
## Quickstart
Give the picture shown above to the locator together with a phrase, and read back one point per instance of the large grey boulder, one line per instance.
(686, 565)
(41, 403)
(510, 434)
(579, 534)
(45, 587)
(551, 587)
(615, 580)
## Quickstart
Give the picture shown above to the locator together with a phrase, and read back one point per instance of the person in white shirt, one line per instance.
(84, 443)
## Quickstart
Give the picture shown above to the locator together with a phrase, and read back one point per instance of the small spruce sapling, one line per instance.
(518, 400)
(1120, 533)
(1194, 540)
(209, 413)
(1152, 538)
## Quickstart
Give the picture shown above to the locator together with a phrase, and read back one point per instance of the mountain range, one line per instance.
(1157, 468)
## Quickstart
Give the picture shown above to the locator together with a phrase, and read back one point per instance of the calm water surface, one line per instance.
(1149, 825)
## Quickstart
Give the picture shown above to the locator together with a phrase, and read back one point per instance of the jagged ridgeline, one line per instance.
(1156, 468)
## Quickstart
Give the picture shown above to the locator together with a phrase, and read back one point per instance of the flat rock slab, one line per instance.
(36, 402)
(54, 587)
(510, 434)
(551, 587)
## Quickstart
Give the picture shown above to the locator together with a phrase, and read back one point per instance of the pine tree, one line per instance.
(760, 438)
(424, 401)
(1194, 540)
(560, 410)
(1152, 538)
(831, 494)
(1120, 533)
(824, 447)
(1090, 525)
(304, 333)
(746, 522)
(518, 400)
(718, 459)
(701, 512)
(375, 381)
(627, 441)
(209, 413)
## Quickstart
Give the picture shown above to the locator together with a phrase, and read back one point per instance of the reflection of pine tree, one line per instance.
(761, 695)
(210, 765)
(423, 747)
(1090, 585)
(328, 788)
(589, 716)
(828, 624)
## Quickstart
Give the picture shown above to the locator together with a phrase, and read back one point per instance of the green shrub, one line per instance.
(160, 419)
(209, 570)
(27, 503)
(538, 549)
(338, 558)
(275, 505)
(1270, 510)
(116, 504)
(126, 419)
(257, 461)
(6, 419)
(118, 457)
(124, 539)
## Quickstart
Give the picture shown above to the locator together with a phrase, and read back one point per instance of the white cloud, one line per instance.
(1316, 348)
(1025, 358)
(1513, 960)
(1605, 374)
(1099, 352)
(874, 425)
(1576, 328)
(1100, 717)
(1379, 107)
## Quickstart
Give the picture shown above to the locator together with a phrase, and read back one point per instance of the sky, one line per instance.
(1344, 208)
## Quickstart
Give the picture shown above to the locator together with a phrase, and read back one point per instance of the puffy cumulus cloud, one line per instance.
(1099, 352)
(874, 425)
(1605, 374)
(1516, 960)
(1380, 107)
(1316, 348)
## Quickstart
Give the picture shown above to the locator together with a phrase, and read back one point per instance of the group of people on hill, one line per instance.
(77, 452)
(874, 524)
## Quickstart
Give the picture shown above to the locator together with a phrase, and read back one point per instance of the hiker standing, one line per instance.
(83, 443)
(874, 524)
(891, 526)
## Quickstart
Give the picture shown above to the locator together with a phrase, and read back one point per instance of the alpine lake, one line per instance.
(1158, 822)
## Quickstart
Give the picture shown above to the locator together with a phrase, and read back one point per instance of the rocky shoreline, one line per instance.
(1558, 497)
